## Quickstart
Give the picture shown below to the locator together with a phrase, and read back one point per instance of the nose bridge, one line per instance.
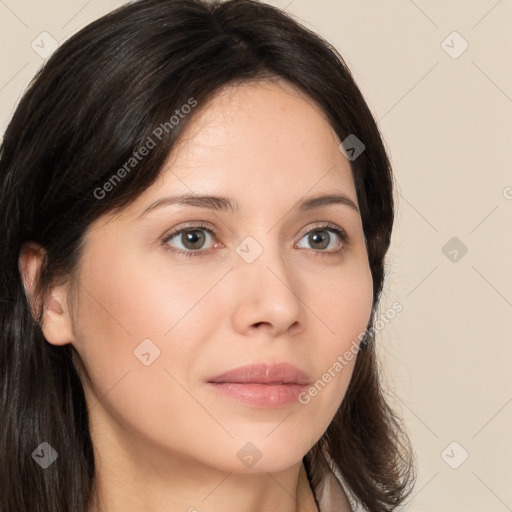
(269, 289)
(262, 254)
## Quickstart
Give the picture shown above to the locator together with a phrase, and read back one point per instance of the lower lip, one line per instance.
(260, 395)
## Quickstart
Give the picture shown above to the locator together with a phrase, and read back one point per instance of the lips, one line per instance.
(275, 374)
(261, 385)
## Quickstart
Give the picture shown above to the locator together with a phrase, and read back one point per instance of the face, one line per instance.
(171, 297)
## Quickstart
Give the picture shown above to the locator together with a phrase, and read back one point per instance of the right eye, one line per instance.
(192, 239)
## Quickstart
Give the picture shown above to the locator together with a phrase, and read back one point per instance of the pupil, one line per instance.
(193, 237)
(315, 235)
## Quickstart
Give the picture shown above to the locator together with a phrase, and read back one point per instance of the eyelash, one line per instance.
(201, 226)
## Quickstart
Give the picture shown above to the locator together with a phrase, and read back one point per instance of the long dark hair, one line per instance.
(97, 100)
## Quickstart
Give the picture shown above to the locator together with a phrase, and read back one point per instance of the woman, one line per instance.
(196, 205)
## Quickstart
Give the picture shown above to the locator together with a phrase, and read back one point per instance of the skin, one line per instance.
(163, 439)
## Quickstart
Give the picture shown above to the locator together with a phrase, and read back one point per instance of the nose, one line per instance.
(267, 292)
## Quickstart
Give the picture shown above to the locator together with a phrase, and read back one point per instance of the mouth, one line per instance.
(262, 385)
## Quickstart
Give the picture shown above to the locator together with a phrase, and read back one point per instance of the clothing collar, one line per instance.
(333, 495)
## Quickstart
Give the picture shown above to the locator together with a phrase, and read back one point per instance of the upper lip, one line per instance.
(259, 373)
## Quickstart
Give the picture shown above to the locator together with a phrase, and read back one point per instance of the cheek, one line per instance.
(129, 300)
(119, 310)
(128, 315)
(344, 307)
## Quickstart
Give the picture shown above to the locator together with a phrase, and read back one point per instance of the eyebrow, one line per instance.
(218, 203)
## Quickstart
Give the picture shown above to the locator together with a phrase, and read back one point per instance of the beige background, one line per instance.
(446, 117)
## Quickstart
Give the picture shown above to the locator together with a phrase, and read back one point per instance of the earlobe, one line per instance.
(56, 320)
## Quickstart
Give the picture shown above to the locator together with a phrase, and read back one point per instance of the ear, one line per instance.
(56, 321)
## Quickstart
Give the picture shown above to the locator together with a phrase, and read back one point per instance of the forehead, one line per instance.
(264, 144)
(266, 121)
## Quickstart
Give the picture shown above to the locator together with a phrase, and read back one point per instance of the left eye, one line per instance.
(321, 237)
(193, 239)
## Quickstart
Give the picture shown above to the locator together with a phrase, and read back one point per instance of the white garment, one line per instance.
(332, 494)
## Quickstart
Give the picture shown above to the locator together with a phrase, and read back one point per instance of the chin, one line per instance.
(265, 455)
